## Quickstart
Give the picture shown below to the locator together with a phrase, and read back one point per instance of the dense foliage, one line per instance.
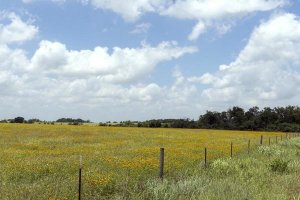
(71, 120)
(268, 119)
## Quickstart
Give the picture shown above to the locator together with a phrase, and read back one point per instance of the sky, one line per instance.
(113, 60)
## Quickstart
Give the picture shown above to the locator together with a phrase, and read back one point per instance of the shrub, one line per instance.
(279, 165)
(270, 151)
(223, 166)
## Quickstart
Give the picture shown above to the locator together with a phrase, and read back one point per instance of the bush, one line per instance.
(279, 165)
(74, 123)
(223, 166)
(270, 151)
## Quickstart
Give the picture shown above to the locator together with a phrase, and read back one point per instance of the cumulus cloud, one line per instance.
(130, 10)
(218, 14)
(212, 12)
(53, 59)
(17, 30)
(56, 76)
(267, 69)
(122, 65)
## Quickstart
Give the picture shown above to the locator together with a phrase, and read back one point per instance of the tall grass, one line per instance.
(244, 177)
(41, 162)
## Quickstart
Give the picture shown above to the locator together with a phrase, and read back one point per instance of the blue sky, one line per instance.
(109, 60)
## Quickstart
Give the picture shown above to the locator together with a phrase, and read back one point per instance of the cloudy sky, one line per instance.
(142, 59)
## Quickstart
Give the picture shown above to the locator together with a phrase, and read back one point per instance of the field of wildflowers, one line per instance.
(42, 161)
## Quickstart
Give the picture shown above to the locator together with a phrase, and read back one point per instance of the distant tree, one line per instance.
(155, 124)
(71, 120)
(267, 117)
(209, 120)
(236, 117)
(165, 125)
(183, 123)
(3, 121)
(102, 124)
(19, 120)
(32, 121)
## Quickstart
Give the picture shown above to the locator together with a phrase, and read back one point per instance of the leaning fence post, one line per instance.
(231, 150)
(248, 146)
(261, 140)
(161, 163)
(205, 157)
(79, 180)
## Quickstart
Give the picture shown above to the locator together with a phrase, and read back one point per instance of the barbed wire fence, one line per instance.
(167, 163)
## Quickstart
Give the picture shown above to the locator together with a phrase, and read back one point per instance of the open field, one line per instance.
(41, 161)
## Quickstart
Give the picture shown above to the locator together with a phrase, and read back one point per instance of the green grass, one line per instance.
(244, 177)
(41, 162)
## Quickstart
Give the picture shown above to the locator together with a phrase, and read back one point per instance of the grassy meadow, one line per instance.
(42, 161)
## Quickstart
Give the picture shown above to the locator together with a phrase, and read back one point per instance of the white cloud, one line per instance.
(218, 14)
(17, 30)
(267, 69)
(197, 30)
(212, 12)
(52, 60)
(122, 65)
(218, 9)
(141, 28)
(130, 10)
(55, 1)
(55, 78)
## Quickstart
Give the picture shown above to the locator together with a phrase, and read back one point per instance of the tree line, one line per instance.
(285, 119)
(22, 120)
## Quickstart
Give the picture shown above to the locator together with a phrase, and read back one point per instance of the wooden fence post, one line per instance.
(205, 157)
(79, 179)
(248, 146)
(161, 163)
(261, 140)
(231, 153)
